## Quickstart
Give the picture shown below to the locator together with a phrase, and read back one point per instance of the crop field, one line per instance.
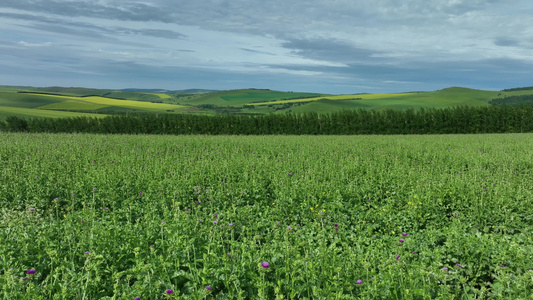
(237, 102)
(163, 96)
(113, 102)
(336, 97)
(242, 97)
(270, 217)
(6, 111)
(29, 104)
(443, 98)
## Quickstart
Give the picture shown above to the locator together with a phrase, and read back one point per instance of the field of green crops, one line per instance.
(270, 217)
(6, 111)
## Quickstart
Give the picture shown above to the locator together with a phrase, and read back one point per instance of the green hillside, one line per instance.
(241, 97)
(72, 102)
(7, 111)
(242, 101)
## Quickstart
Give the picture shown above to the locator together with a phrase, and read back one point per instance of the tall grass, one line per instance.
(345, 217)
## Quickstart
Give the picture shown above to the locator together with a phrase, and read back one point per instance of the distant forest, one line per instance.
(464, 119)
(527, 88)
(513, 100)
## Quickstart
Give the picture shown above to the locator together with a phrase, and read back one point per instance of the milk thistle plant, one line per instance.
(155, 217)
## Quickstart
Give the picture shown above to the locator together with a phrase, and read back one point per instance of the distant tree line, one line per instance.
(513, 100)
(464, 119)
(526, 88)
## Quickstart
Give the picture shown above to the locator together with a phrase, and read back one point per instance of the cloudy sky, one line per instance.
(329, 46)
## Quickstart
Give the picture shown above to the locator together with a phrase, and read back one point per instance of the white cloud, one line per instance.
(302, 39)
(26, 44)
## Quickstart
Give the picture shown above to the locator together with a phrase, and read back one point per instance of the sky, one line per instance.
(323, 46)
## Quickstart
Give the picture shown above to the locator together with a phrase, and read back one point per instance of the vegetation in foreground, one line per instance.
(276, 217)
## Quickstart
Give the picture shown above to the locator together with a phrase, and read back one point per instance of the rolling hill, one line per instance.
(62, 102)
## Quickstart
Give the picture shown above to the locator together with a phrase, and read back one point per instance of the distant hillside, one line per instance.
(33, 101)
(162, 91)
(243, 97)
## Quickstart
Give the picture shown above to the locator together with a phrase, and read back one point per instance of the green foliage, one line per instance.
(513, 100)
(527, 88)
(489, 119)
(15, 124)
(119, 217)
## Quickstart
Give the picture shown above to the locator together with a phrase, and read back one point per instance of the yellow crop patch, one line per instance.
(119, 103)
(163, 96)
(337, 97)
(73, 105)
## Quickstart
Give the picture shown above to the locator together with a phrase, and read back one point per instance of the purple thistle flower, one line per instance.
(230, 224)
(186, 209)
(359, 281)
(398, 256)
(265, 264)
(199, 202)
(445, 269)
(152, 245)
(169, 291)
(288, 227)
(503, 266)
(404, 234)
(208, 288)
(140, 193)
(401, 240)
(137, 298)
(336, 225)
(215, 222)
(32, 209)
(86, 252)
(30, 271)
(459, 265)
(279, 223)
(83, 221)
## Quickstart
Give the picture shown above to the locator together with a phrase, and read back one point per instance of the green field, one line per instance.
(443, 98)
(242, 97)
(335, 217)
(265, 101)
(237, 102)
(30, 104)
(107, 102)
(6, 111)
